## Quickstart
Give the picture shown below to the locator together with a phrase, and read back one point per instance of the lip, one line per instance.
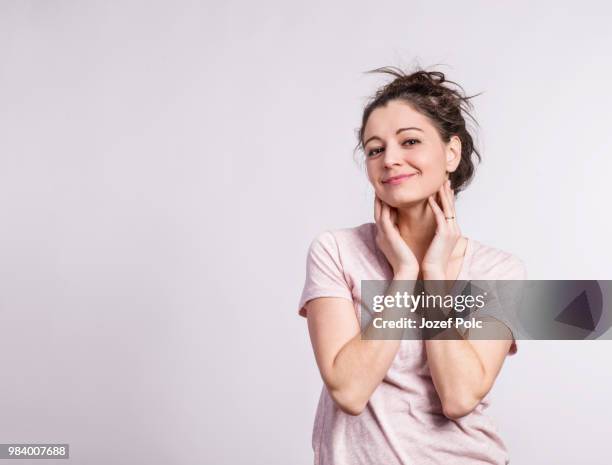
(398, 179)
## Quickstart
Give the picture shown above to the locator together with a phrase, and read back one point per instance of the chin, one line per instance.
(402, 199)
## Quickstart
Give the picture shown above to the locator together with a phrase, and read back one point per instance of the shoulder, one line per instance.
(352, 249)
(489, 262)
(347, 240)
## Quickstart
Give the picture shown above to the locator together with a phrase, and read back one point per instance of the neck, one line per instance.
(417, 226)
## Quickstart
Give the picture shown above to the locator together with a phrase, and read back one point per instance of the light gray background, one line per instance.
(164, 166)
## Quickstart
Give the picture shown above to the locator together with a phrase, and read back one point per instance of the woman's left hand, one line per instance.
(435, 262)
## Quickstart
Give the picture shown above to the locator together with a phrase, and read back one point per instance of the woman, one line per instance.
(405, 401)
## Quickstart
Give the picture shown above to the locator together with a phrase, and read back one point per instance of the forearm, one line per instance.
(363, 362)
(457, 374)
(456, 369)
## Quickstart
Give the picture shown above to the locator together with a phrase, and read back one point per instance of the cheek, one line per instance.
(371, 172)
(433, 174)
(434, 165)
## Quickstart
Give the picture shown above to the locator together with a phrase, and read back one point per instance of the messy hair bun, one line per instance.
(428, 93)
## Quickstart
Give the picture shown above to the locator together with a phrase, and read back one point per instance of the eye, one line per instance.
(374, 152)
(409, 142)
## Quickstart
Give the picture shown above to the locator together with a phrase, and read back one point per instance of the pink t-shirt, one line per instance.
(403, 421)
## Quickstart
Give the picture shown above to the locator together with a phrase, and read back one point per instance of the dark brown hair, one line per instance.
(428, 93)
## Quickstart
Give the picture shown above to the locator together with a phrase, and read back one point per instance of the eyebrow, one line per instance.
(396, 132)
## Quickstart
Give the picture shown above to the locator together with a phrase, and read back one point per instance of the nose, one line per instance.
(393, 155)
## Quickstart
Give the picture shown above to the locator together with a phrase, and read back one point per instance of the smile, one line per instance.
(398, 179)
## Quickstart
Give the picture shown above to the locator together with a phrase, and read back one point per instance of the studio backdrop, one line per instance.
(165, 165)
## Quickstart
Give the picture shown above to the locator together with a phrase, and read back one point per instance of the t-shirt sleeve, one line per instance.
(512, 269)
(324, 272)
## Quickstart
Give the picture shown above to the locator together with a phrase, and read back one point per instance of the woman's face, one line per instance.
(400, 141)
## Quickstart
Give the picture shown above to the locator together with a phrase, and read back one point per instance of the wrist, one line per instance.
(409, 274)
(434, 273)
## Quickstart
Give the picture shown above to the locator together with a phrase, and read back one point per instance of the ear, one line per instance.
(453, 154)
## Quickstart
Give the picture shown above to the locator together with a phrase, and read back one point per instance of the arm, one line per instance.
(351, 367)
(463, 370)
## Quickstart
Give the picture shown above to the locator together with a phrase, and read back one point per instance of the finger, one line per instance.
(438, 213)
(394, 215)
(377, 208)
(454, 224)
(385, 218)
(451, 195)
(446, 205)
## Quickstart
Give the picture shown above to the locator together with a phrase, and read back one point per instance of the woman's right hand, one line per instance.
(390, 241)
